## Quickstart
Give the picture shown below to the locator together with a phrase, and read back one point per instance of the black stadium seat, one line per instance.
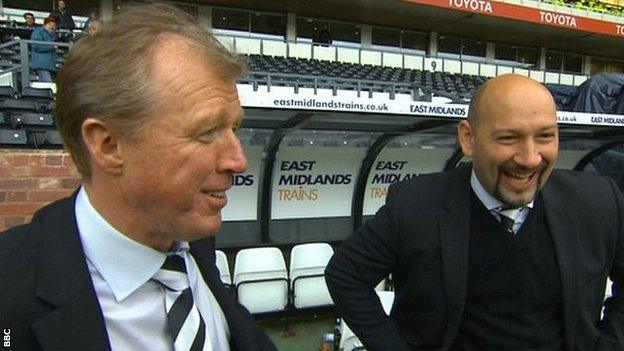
(36, 94)
(33, 119)
(19, 106)
(13, 137)
(48, 138)
(6, 92)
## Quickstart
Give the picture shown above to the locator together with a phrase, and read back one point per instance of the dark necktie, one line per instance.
(186, 325)
(507, 222)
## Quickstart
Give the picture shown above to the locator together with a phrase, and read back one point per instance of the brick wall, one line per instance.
(30, 179)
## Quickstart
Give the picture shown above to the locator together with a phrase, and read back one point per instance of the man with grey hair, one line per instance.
(148, 109)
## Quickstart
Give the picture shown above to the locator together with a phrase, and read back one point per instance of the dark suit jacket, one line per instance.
(421, 237)
(47, 297)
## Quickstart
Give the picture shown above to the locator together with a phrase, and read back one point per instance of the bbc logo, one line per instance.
(6, 342)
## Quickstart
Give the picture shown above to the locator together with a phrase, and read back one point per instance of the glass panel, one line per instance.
(345, 32)
(449, 44)
(473, 47)
(605, 65)
(554, 60)
(268, 23)
(527, 56)
(386, 37)
(230, 19)
(310, 28)
(78, 8)
(505, 52)
(573, 63)
(415, 41)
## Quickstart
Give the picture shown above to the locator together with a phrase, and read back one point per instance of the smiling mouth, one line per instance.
(217, 194)
(520, 177)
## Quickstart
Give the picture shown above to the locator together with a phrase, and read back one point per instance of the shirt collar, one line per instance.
(489, 201)
(112, 253)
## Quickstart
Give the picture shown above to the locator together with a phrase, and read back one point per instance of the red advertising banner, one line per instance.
(528, 14)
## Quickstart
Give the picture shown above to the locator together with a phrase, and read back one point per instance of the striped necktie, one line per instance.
(507, 216)
(186, 325)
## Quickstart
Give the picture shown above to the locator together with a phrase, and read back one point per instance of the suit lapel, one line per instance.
(564, 234)
(64, 282)
(454, 227)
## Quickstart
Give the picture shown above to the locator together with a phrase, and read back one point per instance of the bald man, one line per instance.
(505, 253)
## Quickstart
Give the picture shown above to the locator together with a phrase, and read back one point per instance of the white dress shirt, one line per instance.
(493, 205)
(132, 303)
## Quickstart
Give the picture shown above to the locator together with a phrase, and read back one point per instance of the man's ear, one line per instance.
(466, 137)
(102, 143)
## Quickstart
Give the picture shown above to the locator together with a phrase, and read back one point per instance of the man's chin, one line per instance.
(513, 200)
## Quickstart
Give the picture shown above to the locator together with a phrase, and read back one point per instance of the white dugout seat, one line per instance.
(307, 281)
(261, 279)
(224, 268)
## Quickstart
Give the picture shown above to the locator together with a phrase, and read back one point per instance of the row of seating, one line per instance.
(263, 284)
(26, 118)
(462, 85)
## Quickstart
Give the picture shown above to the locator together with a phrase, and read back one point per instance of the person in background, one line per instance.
(29, 17)
(43, 57)
(92, 17)
(148, 109)
(64, 18)
(95, 27)
(506, 253)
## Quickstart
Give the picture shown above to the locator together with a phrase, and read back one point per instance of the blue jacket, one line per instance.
(43, 56)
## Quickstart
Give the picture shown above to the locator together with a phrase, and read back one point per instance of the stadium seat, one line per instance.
(307, 267)
(18, 106)
(348, 340)
(6, 92)
(261, 279)
(37, 94)
(223, 266)
(13, 137)
(33, 119)
(48, 138)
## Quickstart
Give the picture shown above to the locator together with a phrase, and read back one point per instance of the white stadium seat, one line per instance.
(224, 268)
(261, 279)
(307, 267)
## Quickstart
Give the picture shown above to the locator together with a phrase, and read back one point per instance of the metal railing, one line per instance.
(23, 49)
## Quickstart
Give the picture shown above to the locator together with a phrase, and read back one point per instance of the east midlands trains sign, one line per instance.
(382, 105)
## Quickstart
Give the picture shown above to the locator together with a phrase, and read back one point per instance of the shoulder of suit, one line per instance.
(428, 180)
(563, 177)
(429, 190)
(580, 189)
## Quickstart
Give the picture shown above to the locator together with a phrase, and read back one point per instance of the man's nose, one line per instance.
(528, 155)
(232, 158)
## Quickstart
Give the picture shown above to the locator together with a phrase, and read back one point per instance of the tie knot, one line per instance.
(172, 274)
(174, 263)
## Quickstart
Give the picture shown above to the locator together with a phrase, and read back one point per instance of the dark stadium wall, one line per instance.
(30, 179)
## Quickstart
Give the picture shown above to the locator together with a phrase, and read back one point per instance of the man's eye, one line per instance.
(546, 136)
(506, 138)
(208, 136)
